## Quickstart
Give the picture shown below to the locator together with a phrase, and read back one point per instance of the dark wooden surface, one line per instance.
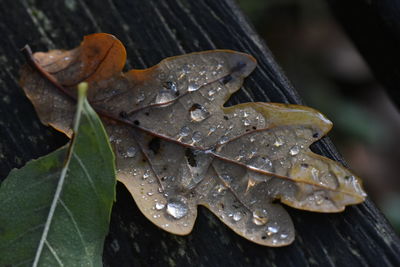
(151, 31)
(374, 27)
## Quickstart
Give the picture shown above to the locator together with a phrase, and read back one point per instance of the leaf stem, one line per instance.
(82, 88)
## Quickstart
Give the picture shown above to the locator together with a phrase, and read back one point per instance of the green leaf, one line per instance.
(55, 211)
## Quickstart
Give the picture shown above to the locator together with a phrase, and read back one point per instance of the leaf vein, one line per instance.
(75, 225)
(53, 253)
(32, 229)
(91, 182)
(49, 176)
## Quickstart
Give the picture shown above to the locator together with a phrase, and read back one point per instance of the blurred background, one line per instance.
(331, 76)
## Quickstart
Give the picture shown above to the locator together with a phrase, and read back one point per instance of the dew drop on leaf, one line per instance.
(198, 113)
(140, 97)
(159, 206)
(237, 216)
(211, 130)
(185, 131)
(278, 142)
(196, 137)
(283, 236)
(259, 218)
(171, 87)
(211, 92)
(193, 87)
(294, 150)
(146, 175)
(220, 188)
(272, 229)
(262, 163)
(317, 197)
(115, 140)
(177, 208)
(130, 152)
(226, 178)
(165, 96)
(223, 140)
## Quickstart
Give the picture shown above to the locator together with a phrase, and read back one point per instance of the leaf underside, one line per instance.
(177, 146)
(79, 223)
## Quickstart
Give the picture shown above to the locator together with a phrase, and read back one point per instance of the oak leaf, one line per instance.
(177, 146)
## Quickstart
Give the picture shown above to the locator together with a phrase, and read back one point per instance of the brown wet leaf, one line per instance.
(178, 147)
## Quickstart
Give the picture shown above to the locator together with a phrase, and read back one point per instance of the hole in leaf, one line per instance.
(226, 79)
(154, 145)
(191, 158)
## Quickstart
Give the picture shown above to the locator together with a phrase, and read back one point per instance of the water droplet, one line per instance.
(273, 228)
(150, 193)
(220, 188)
(165, 96)
(262, 163)
(259, 217)
(171, 86)
(130, 152)
(159, 206)
(140, 97)
(246, 122)
(223, 140)
(177, 208)
(196, 137)
(237, 216)
(193, 87)
(226, 178)
(252, 139)
(184, 131)
(114, 139)
(211, 130)
(284, 236)
(240, 155)
(252, 154)
(318, 197)
(198, 113)
(211, 92)
(146, 175)
(278, 142)
(294, 150)
(186, 68)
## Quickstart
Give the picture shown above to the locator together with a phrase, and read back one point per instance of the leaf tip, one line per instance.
(82, 89)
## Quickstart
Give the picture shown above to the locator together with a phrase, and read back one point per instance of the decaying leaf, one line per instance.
(178, 147)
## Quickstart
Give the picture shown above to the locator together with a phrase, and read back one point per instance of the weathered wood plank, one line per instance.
(152, 30)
